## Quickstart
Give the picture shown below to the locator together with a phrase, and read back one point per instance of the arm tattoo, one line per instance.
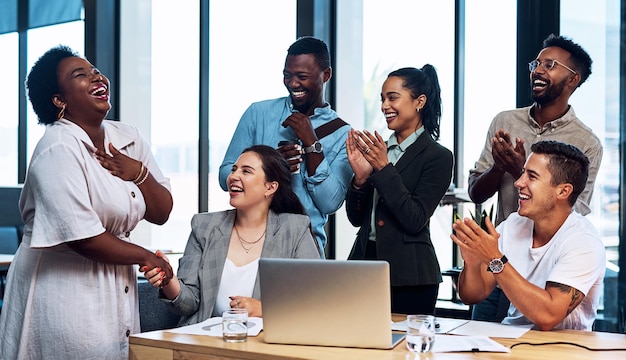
(575, 293)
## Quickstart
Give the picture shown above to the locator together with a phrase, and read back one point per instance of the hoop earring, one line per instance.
(61, 113)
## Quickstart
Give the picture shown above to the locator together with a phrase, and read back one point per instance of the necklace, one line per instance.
(242, 241)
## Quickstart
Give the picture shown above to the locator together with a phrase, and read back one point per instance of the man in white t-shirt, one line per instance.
(548, 259)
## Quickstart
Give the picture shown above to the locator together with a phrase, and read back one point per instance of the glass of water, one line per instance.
(235, 325)
(420, 333)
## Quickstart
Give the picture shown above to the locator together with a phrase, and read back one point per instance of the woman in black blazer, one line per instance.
(405, 178)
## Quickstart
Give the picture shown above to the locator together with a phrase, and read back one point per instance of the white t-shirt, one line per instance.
(575, 256)
(59, 304)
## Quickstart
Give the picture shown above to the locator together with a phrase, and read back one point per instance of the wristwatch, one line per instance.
(497, 265)
(316, 147)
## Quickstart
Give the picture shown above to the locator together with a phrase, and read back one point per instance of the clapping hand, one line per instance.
(507, 157)
(372, 147)
(477, 245)
(360, 166)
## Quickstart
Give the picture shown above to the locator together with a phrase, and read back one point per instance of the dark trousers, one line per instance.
(416, 299)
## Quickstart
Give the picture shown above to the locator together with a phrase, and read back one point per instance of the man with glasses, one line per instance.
(559, 69)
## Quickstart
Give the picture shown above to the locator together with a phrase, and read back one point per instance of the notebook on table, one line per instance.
(327, 302)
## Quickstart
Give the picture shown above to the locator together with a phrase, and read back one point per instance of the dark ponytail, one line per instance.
(424, 81)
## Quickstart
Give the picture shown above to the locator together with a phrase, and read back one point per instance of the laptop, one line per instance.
(327, 302)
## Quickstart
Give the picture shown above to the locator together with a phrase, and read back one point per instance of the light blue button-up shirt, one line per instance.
(321, 194)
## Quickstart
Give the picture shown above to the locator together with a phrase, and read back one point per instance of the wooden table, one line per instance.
(5, 260)
(162, 345)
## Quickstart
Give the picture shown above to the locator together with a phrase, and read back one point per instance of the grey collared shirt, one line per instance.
(520, 124)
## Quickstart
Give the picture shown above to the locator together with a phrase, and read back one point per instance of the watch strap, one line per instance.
(311, 149)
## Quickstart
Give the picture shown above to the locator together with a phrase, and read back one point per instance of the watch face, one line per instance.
(316, 147)
(496, 265)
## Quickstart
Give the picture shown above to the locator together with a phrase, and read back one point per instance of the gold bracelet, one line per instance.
(143, 178)
(140, 174)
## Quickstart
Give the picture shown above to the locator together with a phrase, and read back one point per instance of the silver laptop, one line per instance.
(327, 302)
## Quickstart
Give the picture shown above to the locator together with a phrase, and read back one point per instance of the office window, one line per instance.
(490, 77)
(9, 119)
(49, 24)
(159, 89)
(596, 102)
(245, 66)
(159, 94)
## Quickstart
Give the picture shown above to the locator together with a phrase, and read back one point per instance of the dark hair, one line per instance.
(580, 58)
(424, 81)
(42, 83)
(276, 169)
(310, 45)
(566, 163)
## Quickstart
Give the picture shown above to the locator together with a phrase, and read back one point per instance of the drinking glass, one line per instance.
(235, 325)
(420, 334)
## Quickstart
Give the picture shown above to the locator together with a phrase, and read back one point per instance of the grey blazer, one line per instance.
(200, 268)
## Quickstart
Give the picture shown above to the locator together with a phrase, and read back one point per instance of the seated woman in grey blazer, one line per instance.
(218, 270)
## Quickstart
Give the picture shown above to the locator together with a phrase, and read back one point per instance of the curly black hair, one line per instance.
(42, 83)
(581, 59)
(310, 45)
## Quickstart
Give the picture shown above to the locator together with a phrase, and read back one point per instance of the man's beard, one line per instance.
(552, 92)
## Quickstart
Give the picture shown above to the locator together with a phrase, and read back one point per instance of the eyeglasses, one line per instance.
(547, 64)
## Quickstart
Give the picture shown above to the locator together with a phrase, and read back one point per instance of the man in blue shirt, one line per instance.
(322, 174)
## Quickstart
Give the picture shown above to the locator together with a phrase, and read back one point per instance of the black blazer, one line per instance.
(409, 193)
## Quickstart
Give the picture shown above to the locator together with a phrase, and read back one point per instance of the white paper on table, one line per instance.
(442, 325)
(491, 329)
(213, 327)
(454, 343)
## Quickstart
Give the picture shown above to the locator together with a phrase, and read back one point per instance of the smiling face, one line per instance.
(304, 80)
(549, 85)
(83, 90)
(247, 185)
(537, 194)
(400, 108)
